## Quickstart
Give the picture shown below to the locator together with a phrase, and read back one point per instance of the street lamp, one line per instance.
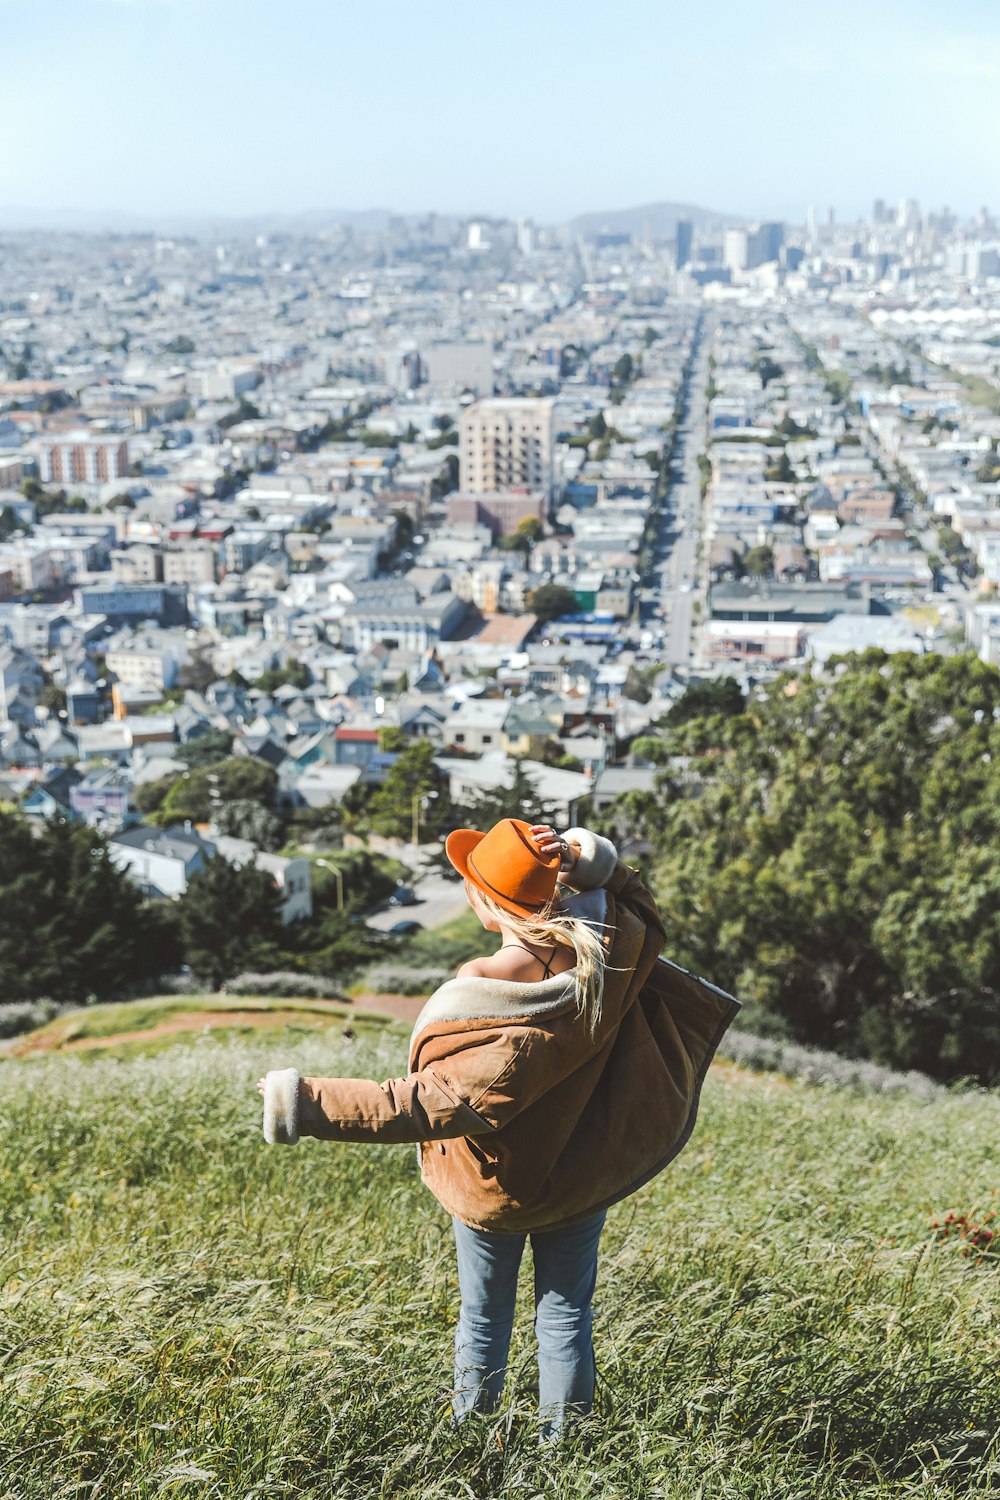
(419, 798)
(338, 877)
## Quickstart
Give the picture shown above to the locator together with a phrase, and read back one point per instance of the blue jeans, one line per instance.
(565, 1273)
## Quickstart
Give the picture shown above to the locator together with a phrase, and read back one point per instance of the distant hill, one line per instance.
(657, 219)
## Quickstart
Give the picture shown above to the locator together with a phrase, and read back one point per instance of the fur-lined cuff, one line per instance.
(597, 861)
(281, 1107)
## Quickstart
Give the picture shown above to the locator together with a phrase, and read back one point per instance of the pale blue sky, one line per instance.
(540, 107)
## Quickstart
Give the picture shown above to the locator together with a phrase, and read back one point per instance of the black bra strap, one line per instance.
(548, 963)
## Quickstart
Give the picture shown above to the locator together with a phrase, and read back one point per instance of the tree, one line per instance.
(838, 385)
(531, 528)
(551, 601)
(206, 749)
(635, 686)
(243, 818)
(831, 859)
(768, 369)
(180, 345)
(518, 798)
(148, 795)
(293, 674)
(74, 924)
(446, 479)
(788, 427)
(952, 546)
(781, 472)
(759, 562)
(622, 370)
(196, 794)
(392, 738)
(230, 919)
(526, 533)
(412, 776)
(718, 695)
(53, 698)
(244, 411)
(989, 470)
(196, 673)
(404, 528)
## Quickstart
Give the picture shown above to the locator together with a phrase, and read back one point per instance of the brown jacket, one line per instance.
(524, 1119)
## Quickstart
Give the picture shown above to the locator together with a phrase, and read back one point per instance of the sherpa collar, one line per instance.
(477, 997)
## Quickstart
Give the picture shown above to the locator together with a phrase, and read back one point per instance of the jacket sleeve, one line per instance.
(419, 1107)
(598, 866)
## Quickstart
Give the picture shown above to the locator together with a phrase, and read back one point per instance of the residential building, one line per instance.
(166, 603)
(293, 877)
(161, 861)
(506, 444)
(500, 512)
(82, 458)
(190, 563)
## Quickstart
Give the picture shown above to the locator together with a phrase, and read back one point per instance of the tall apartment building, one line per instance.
(685, 234)
(745, 249)
(505, 443)
(735, 244)
(82, 458)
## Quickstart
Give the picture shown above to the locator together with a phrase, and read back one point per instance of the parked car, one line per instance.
(404, 895)
(404, 929)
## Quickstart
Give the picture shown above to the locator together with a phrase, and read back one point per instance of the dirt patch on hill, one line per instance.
(399, 1007)
(189, 1020)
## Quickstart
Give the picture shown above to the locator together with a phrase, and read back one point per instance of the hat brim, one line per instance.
(458, 846)
(462, 842)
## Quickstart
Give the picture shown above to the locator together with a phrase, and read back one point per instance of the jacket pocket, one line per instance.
(484, 1160)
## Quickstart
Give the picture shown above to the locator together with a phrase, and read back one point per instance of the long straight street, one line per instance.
(674, 585)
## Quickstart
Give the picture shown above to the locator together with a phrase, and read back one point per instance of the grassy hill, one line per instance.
(146, 1026)
(186, 1312)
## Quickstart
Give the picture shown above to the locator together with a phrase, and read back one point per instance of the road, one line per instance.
(674, 586)
(440, 901)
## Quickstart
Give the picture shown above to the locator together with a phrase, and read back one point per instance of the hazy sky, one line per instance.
(539, 107)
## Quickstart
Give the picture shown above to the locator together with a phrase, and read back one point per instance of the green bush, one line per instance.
(19, 1016)
(286, 986)
(393, 979)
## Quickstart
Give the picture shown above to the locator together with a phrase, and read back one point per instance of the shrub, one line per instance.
(286, 986)
(19, 1016)
(813, 1065)
(390, 980)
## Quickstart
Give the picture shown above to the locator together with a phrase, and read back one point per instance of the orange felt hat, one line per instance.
(505, 865)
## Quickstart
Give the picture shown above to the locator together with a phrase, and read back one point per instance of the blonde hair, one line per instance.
(551, 926)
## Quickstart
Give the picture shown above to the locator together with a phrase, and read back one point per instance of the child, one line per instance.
(547, 1081)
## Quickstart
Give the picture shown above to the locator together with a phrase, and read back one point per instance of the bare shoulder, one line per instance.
(504, 964)
(475, 968)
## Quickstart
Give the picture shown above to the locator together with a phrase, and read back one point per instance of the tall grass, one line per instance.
(186, 1312)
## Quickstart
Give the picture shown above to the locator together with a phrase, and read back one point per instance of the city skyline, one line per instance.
(248, 111)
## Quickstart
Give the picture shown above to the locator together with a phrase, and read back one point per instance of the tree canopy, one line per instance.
(74, 925)
(830, 856)
(550, 601)
(196, 794)
(231, 920)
